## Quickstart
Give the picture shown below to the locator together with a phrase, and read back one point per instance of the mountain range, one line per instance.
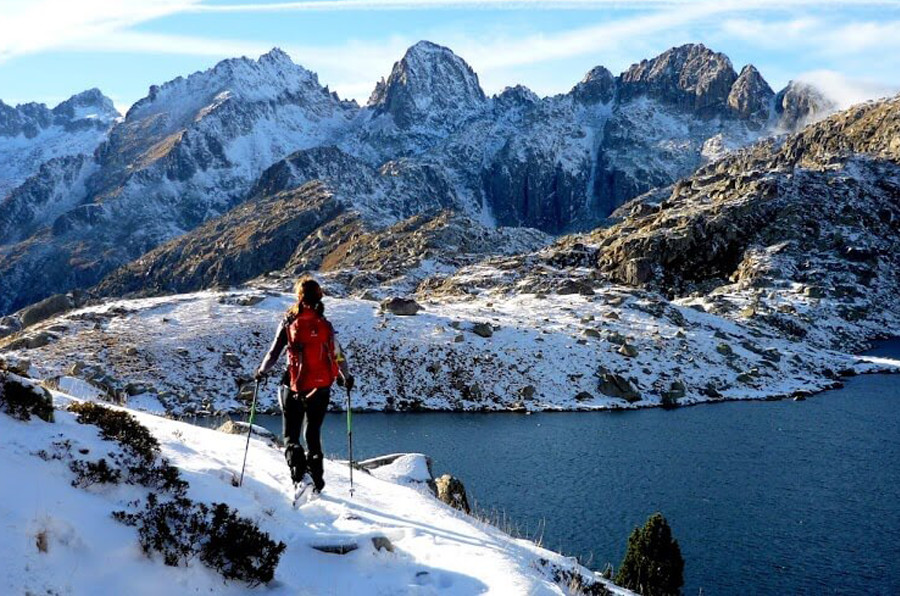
(95, 191)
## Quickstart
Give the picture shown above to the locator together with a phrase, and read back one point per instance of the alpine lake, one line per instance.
(784, 497)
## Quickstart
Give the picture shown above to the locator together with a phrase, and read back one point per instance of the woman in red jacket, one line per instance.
(315, 361)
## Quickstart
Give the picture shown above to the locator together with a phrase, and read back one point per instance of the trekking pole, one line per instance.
(350, 439)
(249, 431)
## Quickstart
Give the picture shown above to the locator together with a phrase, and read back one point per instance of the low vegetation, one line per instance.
(22, 401)
(170, 524)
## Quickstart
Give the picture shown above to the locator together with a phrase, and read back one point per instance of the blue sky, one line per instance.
(50, 49)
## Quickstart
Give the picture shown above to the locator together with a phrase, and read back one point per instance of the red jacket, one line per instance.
(314, 356)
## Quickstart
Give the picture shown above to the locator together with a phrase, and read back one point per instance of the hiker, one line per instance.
(315, 361)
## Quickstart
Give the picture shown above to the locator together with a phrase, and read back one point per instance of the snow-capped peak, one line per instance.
(90, 104)
(271, 77)
(430, 81)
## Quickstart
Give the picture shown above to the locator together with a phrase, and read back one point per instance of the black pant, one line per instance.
(298, 411)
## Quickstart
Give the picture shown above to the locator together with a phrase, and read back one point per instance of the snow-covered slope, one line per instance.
(32, 134)
(187, 152)
(62, 539)
(616, 348)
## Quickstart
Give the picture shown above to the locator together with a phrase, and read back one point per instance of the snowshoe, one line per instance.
(302, 491)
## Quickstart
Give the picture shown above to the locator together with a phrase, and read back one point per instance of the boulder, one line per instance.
(482, 329)
(616, 338)
(724, 349)
(618, 386)
(45, 309)
(400, 306)
(231, 360)
(451, 491)
(628, 350)
(9, 325)
(233, 427)
(30, 342)
(574, 286)
(584, 396)
(251, 300)
(591, 333)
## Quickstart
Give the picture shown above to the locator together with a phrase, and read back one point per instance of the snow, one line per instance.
(557, 345)
(436, 549)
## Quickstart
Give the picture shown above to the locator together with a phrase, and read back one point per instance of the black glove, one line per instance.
(349, 381)
(259, 376)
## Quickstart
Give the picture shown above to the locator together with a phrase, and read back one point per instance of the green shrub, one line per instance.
(119, 426)
(171, 528)
(21, 400)
(653, 565)
(179, 529)
(238, 549)
(182, 529)
(88, 473)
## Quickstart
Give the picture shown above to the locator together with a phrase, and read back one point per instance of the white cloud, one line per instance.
(353, 66)
(408, 5)
(847, 91)
(29, 26)
(824, 36)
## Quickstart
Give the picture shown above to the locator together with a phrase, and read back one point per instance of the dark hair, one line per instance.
(309, 295)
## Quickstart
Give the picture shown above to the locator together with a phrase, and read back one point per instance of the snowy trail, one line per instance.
(434, 549)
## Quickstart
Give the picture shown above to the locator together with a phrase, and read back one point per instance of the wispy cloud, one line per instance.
(408, 5)
(352, 66)
(38, 25)
(844, 90)
(825, 36)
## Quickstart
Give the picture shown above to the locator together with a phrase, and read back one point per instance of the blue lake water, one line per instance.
(764, 497)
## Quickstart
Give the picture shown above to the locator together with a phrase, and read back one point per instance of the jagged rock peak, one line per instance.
(750, 95)
(689, 76)
(799, 104)
(270, 77)
(519, 94)
(88, 104)
(597, 86)
(89, 108)
(430, 81)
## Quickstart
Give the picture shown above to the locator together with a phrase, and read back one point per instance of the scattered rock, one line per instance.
(573, 286)
(382, 543)
(451, 491)
(231, 360)
(616, 338)
(528, 391)
(251, 300)
(233, 427)
(589, 332)
(814, 292)
(459, 338)
(628, 350)
(618, 386)
(482, 329)
(400, 306)
(131, 351)
(31, 342)
(724, 349)
(584, 396)
(45, 309)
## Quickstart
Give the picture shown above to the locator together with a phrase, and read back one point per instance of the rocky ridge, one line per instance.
(198, 146)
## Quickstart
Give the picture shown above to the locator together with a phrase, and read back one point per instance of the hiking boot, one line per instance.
(317, 471)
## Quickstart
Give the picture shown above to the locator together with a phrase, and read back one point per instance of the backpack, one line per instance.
(311, 361)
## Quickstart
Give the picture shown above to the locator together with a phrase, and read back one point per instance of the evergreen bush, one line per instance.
(22, 401)
(181, 529)
(653, 565)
